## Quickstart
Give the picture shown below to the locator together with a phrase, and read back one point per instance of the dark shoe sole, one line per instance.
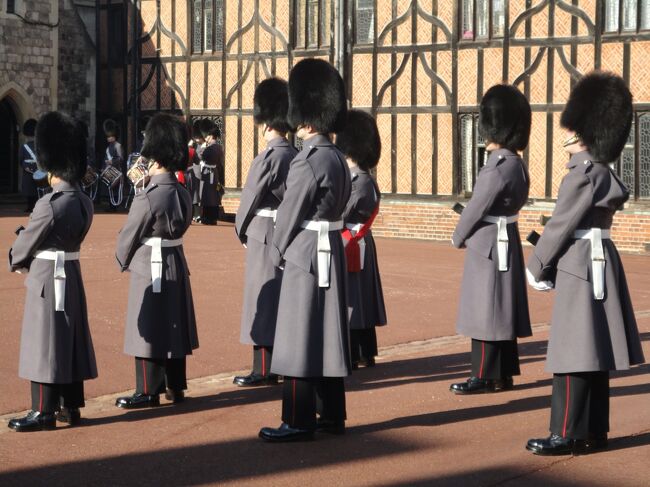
(27, 429)
(287, 439)
(138, 406)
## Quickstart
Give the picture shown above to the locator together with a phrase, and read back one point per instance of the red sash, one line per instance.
(352, 252)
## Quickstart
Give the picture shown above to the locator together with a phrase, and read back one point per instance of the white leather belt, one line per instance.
(156, 244)
(211, 167)
(502, 237)
(59, 257)
(266, 213)
(323, 227)
(355, 227)
(595, 237)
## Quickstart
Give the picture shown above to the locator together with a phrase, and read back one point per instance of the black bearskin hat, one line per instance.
(360, 140)
(316, 96)
(61, 146)
(111, 129)
(505, 117)
(208, 127)
(196, 129)
(29, 127)
(599, 110)
(165, 141)
(271, 103)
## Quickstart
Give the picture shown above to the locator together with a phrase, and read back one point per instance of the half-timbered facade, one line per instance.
(420, 66)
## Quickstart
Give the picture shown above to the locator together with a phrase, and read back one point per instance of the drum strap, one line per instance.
(31, 153)
(59, 257)
(156, 244)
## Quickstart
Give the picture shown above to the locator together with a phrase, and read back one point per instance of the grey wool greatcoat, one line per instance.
(312, 333)
(55, 346)
(586, 334)
(493, 304)
(211, 192)
(264, 189)
(365, 294)
(158, 325)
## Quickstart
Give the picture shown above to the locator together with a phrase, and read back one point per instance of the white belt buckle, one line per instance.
(597, 263)
(59, 280)
(324, 253)
(156, 264)
(502, 243)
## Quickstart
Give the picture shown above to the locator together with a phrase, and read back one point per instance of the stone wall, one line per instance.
(27, 53)
(76, 66)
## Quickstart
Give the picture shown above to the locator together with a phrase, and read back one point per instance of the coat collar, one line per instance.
(65, 186)
(277, 142)
(316, 140)
(497, 155)
(579, 158)
(164, 178)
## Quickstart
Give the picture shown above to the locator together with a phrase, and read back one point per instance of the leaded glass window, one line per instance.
(197, 34)
(11, 6)
(627, 162)
(611, 15)
(482, 19)
(467, 29)
(207, 26)
(312, 23)
(644, 156)
(472, 151)
(498, 18)
(645, 14)
(365, 21)
(629, 14)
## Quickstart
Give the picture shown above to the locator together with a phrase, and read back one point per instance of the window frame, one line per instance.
(620, 29)
(371, 31)
(300, 40)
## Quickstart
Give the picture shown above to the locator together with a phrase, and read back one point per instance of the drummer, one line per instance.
(114, 155)
(28, 164)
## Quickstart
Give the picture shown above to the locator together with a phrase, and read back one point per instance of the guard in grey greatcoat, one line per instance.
(193, 172)
(211, 178)
(160, 323)
(493, 309)
(311, 348)
(261, 195)
(593, 328)
(361, 144)
(28, 165)
(56, 349)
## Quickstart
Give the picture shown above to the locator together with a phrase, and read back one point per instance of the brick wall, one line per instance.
(434, 220)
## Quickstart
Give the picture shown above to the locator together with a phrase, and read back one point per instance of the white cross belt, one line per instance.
(502, 237)
(595, 237)
(266, 213)
(59, 257)
(323, 227)
(156, 244)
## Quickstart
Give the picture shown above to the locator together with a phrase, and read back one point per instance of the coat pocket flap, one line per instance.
(257, 231)
(35, 285)
(481, 245)
(300, 259)
(576, 268)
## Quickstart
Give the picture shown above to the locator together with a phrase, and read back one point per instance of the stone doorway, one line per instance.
(8, 147)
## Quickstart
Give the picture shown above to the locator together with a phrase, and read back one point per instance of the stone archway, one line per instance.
(15, 108)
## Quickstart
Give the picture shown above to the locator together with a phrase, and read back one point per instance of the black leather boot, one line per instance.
(34, 421)
(137, 401)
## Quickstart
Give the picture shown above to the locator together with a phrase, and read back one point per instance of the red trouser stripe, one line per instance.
(144, 376)
(263, 361)
(480, 372)
(40, 402)
(566, 409)
(293, 412)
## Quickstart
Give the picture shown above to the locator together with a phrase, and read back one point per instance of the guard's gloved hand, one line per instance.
(538, 285)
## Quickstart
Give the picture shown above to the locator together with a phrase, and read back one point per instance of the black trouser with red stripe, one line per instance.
(363, 344)
(153, 375)
(262, 360)
(494, 360)
(47, 398)
(580, 405)
(302, 398)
